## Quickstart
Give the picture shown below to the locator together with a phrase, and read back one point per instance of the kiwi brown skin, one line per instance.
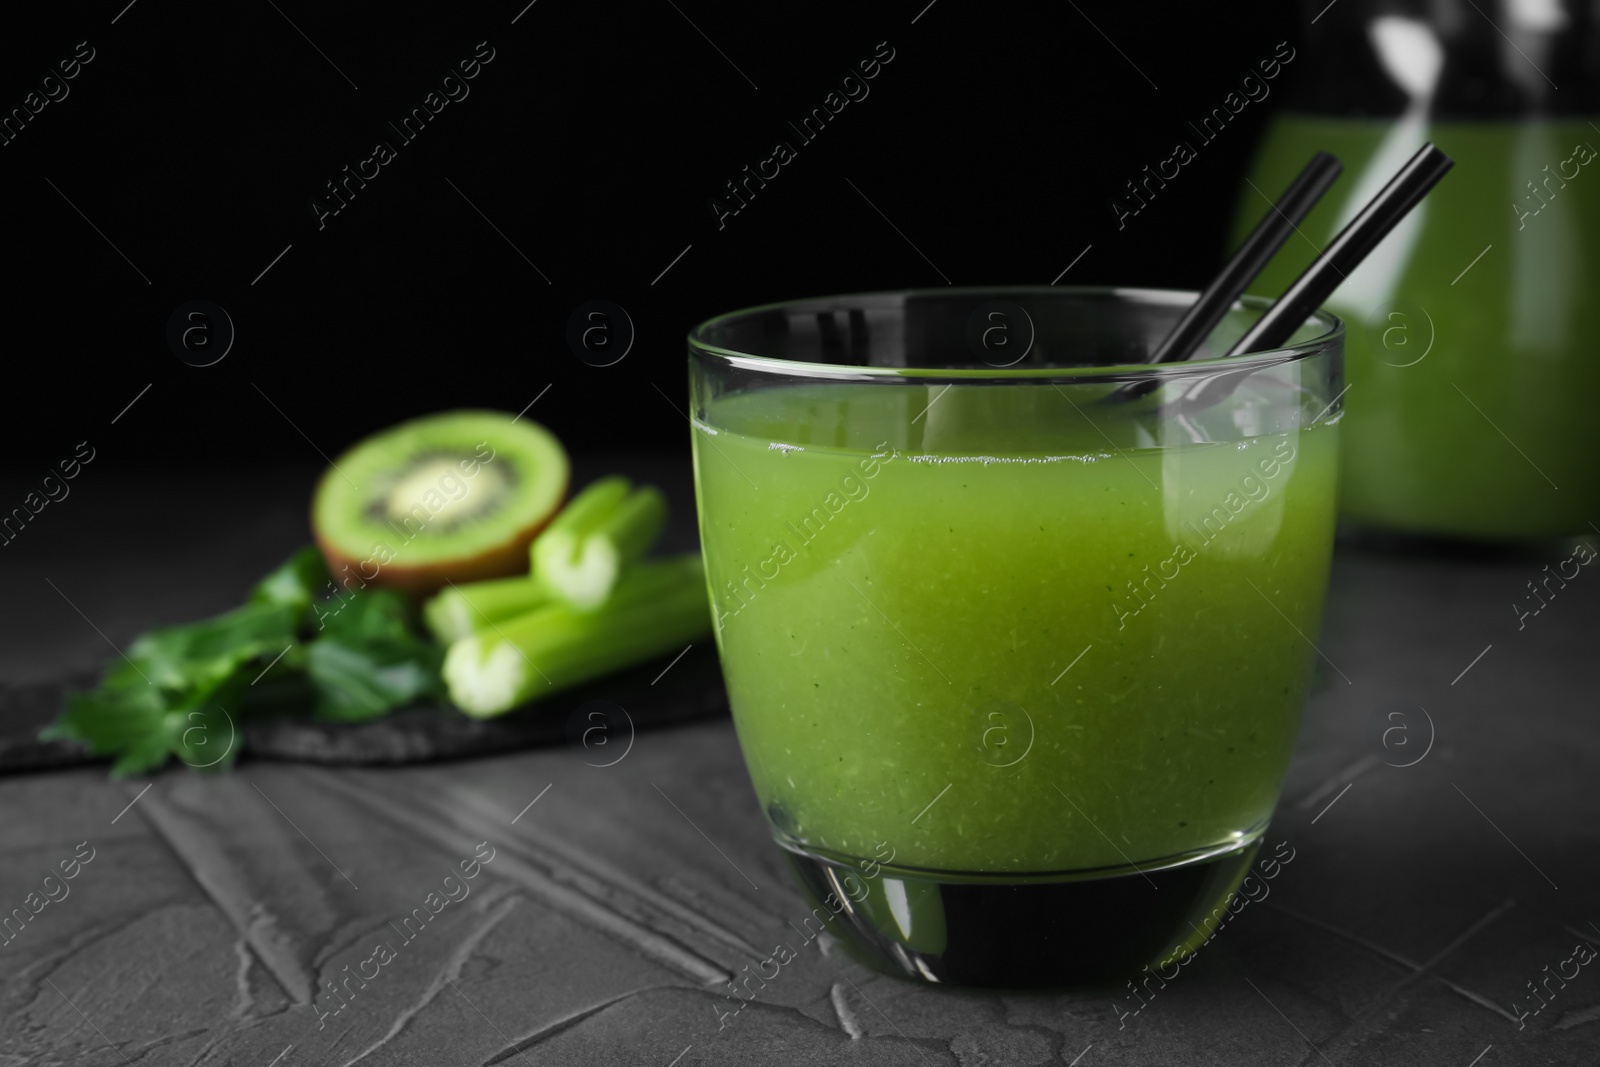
(501, 561)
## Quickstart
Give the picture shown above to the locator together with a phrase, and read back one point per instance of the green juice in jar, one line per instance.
(983, 635)
(1471, 330)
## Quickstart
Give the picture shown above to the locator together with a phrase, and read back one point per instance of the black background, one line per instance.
(593, 143)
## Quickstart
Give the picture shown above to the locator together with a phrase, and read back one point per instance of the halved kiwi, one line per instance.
(452, 497)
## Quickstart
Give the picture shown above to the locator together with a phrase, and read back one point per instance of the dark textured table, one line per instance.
(1424, 906)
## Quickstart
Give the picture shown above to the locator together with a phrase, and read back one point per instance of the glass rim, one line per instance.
(1123, 372)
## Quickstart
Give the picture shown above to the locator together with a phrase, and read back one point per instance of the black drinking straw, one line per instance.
(1251, 258)
(1393, 202)
(1346, 251)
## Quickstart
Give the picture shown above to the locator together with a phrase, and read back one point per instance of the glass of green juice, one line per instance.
(1016, 654)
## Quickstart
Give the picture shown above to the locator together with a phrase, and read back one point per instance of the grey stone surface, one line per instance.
(1420, 903)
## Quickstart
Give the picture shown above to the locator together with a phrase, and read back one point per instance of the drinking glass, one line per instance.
(1016, 631)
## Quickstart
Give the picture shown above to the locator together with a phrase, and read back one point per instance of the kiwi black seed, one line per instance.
(452, 497)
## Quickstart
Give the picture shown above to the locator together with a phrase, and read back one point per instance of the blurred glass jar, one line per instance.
(1473, 328)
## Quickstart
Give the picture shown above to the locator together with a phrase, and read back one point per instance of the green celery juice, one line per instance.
(968, 625)
(1490, 433)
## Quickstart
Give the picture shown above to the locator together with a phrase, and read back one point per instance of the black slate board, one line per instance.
(691, 689)
(27, 709)
(599, 717)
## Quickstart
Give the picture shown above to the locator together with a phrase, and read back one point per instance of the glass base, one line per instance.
(1019, 931)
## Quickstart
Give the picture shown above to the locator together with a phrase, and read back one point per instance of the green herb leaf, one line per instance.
(355, 683)
(205, 653)
(204, 729)
(300, 580)
(127, 723)
(367, 659)
(185, 690)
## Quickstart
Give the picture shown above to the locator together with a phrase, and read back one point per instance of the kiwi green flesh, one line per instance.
(442, 488)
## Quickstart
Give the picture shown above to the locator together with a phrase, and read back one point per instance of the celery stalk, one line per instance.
(610, 525)
(462, 610)
(656, 608)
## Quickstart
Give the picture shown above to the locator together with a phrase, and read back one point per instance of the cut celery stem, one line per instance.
(634, 526)
(597, 500)
(462, 610)
(582, 555)
(657, 608)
